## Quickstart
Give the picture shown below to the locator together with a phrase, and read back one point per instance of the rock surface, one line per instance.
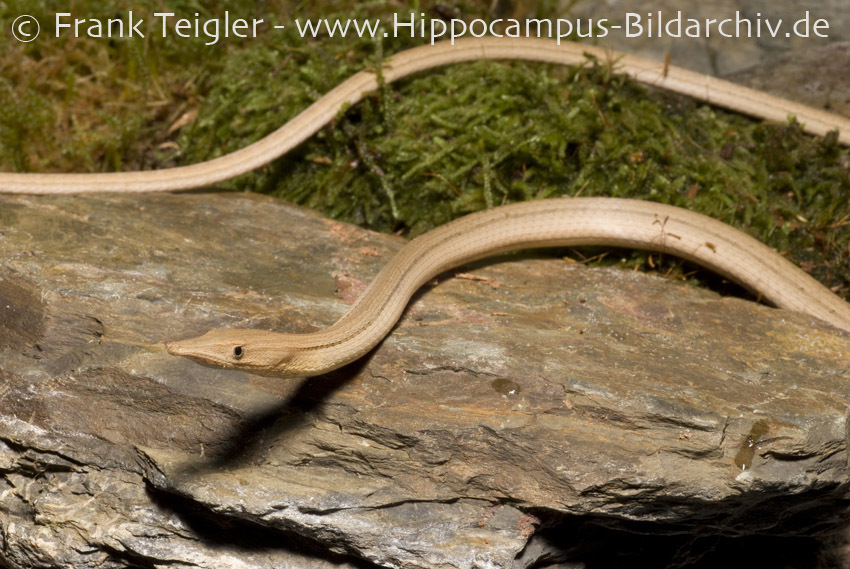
(711, 52)
(810, 70)
(818, 76)
(513, 402)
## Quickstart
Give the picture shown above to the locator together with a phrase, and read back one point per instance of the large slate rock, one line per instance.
(527, 395)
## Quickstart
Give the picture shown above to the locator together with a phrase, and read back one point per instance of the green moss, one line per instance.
(416, 154)
(456, 140)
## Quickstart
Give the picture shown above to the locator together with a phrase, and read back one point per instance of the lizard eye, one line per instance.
(238, 352)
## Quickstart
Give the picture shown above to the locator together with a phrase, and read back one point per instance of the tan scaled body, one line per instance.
(544, 223)
(702, 87)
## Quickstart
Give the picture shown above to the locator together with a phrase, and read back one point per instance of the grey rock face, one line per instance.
(770, 34)
(523, 397)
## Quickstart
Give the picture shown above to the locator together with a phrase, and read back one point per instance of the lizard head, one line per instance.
(254, 351)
